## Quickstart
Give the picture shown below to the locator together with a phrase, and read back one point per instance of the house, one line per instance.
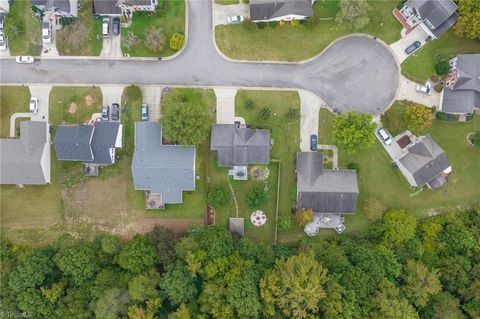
(4, 6)
(433, 16)
(237, 147)
(461, 94)
(422, 161)
(271, 10)
(162, 171)
(61, 8)
(26, 160)
(329, 193)
(116, 8)
(92, 144)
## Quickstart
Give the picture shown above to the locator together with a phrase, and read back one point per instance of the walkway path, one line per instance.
(225, 105)
(334, 149)
(234, 197)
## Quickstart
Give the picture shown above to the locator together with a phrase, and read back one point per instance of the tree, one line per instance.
(75, 304)
(138, 255)
(72, 37)
(242, 294)
(444, 305)
(110, 244)
(77, 261)
(130, 40)
(442, 67)
(178, 284)
(54, 293)
(295, 287)
(303, 216)
(388, 304)
(256, 197)
(418, 117)
(186, 123)
(154, 39)
(420, 283)
(353, 131)
(13, 26)
(182, 312)
(471, 296)
(33, 271)
(373, 209)
(469, 14)
(218, 196)
(144, 286)
(292, 114)
(264, 113)
(164, 241)
(354, 13)
(113, 304)
(148, 312)
(398, 226)
(176, 41)
(31, 302)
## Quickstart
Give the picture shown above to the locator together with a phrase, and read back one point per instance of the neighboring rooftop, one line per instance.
(438, 15)
(271, 9)
(325, 191)
(161, 169)
(106, 7)
(26, 160)
(67, 6)
(238, 146)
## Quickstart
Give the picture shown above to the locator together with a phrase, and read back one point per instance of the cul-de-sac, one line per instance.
(225, 159)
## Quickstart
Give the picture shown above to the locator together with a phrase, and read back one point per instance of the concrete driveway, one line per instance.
(112, 94)
(112, 47)
(50, 49)
(309, 112)
(407, 92)
(152, 95)
(225, 105)
(399, 47)
(221, 12)
(393, 149)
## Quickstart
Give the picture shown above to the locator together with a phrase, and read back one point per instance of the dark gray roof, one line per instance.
(138, 2)
(437, 182)
(459, 101)
(240, 146)
(425, 160)
(87, 143)
(62, 5)
(102, 7)
(237, 226)
(162, 169)
(325, 190)
(440, 13)
(268, 9)
(21, 159)
(468, 72)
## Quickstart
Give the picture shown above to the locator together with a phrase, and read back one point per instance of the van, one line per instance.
(46, 32)
(382, 133)
(106, 27)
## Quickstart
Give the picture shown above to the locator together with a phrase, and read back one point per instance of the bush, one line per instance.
(248, 24)
(353, 166)
(261, 24)
(264, 114)
(304, 216)
(281, 23)
(256, 197)
(438, 88)
(294, 22)
(434, 78)
(218, 195)
(442, 68)
(312, 21)
(176, 41)
(249, 105)
(418, 117)
(284, 223)
(475, 139)
(273, 24)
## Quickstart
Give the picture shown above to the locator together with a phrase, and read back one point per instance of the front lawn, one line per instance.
(74, 105)
(226, 2)
(23, 30)
(394, 118)
(295, 43)
(170, 16)
(421, 65)
(13, 99)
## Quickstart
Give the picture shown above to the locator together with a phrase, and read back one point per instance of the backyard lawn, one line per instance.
(170, 16)
(13, 99)
(421, 65)
(23, 30)
(282, 43)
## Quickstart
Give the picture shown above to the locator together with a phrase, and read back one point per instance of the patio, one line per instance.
(325, 221)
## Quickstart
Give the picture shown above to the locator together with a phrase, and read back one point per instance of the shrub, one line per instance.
(353, 166)
(281, 22)
(294, 22)
(218, 196)
(304, 216)
(264, 114)
(312, 21)
(434, 78)
(261, 24)
(418, 117)
(475, 139)
(273, 24)
(176, 41)
(249, 105)
(131, 40)
(248, 24)
(256, 197)
(284, 223)
(442, 68)
(441, 116)
(154, 39)
(438, 88)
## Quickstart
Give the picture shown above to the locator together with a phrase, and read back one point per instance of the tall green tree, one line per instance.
(138, 254)
(33, 271)
(178, 284)
(353, 131)
(77, 261)
(144, 286)
(420, 283)
(185, 123)
(113, 304)
(398, 226)
(388, 304)
(468, 24)
(164, 241)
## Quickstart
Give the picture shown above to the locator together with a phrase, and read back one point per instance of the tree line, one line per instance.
(400, 267)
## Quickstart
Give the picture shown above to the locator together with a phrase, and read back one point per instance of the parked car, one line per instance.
(2, 19)
(105, 113)
(25, 59)
(235, 19)
(33, 107)
(415, 45)
(425, 89)
(313, 142)
(116, 26)
(144, 112)
(106, 27)
(46, 32)
(384, 136)
(3, 41)
(115, 112)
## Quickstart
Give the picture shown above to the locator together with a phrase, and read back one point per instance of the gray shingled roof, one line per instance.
(425, 160)
(324, 190)
(240, 146)
(102, 7)
(62, 5)
(468, 72)
(21, 159)
(440, 13)
(162, 169)
(459, 102)
(268, 9)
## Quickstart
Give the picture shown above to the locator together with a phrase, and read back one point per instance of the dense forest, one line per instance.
(400, 268)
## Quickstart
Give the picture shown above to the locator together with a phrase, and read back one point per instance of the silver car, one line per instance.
(3, 41)
(25, 59)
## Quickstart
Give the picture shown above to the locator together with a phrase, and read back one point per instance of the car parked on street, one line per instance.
(116, 26)
(144, 112)
(235, 19)
(105, 113)
(414, 46)
(425, 89)
(25, 59)
(115, 112)
(313, 142)
(46, 32)
(3, 41)
(106, 27)
(382, 133)
(33, 106)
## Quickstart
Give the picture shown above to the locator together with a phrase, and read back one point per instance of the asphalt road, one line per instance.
(357, 72)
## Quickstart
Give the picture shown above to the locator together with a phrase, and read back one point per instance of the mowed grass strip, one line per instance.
(13, 99)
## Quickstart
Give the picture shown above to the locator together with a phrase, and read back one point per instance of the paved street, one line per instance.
(355, 73)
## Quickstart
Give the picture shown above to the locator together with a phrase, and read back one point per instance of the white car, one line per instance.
(25, 59)
(235, 19)
(33, 107)
(384, 136)
(425, 89)
(46, 32)
(106, 27)
(3, 41)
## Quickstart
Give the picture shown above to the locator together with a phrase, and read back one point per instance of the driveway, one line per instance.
(393, 149)
(309, 112)
(112, 47)
(50, 49)
(152, 95)
(399, 47)
(112, 94)
(407, 92)
(225, 105)
(221, 12)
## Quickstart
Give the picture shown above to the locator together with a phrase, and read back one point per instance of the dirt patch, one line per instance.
(178, 226)
(90, 99)
(72, 108)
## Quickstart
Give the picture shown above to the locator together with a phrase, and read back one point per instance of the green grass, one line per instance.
(13, 99)
(85, 99)
(421, 65)
(171, 19)
(295, 43)
(226, 2)
(326, 8)
(29, 39)
(394, 119)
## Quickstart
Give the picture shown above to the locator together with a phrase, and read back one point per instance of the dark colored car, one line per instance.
(313, 142)
(415, 45)
(105, 113)
(116, 26)
(115, 112)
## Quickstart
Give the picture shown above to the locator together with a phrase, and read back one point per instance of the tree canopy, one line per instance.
(185, 123)
(353, 131)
